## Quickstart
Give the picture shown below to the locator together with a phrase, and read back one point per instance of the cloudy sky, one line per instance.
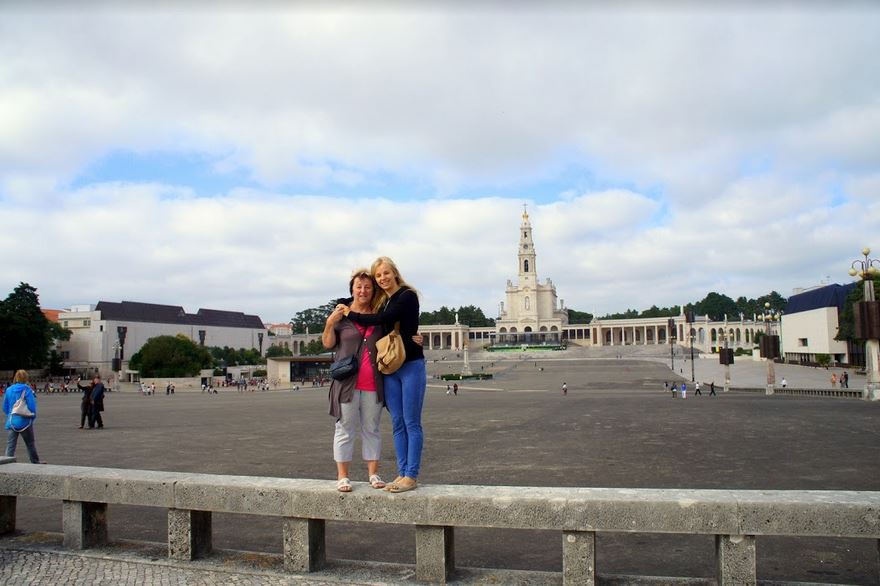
(249, 159)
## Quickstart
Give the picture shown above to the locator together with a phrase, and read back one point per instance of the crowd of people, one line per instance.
(51, 384)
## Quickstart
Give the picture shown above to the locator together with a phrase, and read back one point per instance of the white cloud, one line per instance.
(691, 149)
(273, 254)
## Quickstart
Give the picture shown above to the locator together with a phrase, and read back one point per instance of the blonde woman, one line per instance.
(20, 425)
(404, 389)
(356, 402)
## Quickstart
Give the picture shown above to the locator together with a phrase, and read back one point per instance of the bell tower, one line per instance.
(527, 271)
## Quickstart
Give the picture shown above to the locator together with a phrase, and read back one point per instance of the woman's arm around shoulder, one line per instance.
(393, 311)
(328, 337)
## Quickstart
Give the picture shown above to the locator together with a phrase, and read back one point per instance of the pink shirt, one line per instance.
(365, 380)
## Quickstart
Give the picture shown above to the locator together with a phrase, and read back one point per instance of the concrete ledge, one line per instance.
(35, 480)
(123, 487)
(834, 393)
(712, 512)
(6, 460)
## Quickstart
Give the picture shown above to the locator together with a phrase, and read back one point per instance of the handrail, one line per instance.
(734, 516)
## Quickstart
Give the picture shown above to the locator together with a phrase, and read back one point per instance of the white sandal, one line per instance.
(376, 481)
(343, 485)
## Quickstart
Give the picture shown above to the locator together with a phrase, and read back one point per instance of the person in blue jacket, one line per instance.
(20, 425)
(98, 403)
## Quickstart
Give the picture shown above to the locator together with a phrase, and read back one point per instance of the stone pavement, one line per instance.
(40, 568)
(28, 563)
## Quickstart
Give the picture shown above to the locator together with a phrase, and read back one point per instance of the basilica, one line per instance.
(531, 313)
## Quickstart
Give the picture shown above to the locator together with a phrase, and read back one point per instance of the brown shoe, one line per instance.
(393, 482)
(405, 484)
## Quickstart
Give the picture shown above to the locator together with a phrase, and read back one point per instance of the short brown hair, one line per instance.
(21, 376)
(362, 274)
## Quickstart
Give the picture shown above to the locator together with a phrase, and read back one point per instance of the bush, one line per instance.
(481, 376)
(260, 373)
(170, 357)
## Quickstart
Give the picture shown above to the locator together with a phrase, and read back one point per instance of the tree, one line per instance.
(276, 351)
(655, 311)
(846, 331)
(473, 316)
(56, 365)
(313, 348)
(750, 307)
(25, 333)
(579, 317)
(442, 316)
(170, 356)
(628, 314)
(232, 357)
(59, 332)
(312, 319)
(468, 315)
(716, 306)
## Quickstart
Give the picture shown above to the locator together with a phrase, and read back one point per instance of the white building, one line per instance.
(810, 324)
(96, 331)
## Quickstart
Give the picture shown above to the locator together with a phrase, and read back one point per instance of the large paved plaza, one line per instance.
(615, 428)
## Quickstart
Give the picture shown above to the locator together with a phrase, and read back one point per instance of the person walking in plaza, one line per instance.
(564, 388)
(455, 389)
(405, 388)
(833, 380)
(697, 389)
(97, 404)
(356, 402)
(20, 416)
(85, 404)
(712, 389)
(684, 390)
(784, 382)
(844, 380)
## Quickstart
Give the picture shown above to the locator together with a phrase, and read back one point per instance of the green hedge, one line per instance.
(482, 376)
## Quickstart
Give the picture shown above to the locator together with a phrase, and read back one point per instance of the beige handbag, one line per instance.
(390, 353)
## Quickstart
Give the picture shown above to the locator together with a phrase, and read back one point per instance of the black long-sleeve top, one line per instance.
(402, 307)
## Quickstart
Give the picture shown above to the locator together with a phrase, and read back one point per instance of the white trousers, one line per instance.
(361, 414)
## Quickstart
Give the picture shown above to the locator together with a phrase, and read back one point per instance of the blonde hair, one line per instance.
(382, 296)
(21, 376)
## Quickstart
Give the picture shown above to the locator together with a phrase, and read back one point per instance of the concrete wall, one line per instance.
(734, 517)
(818, 326)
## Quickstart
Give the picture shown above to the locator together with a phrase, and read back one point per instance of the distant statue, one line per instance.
(456, 317)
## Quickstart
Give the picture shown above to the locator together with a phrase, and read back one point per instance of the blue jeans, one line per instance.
(404, 396)
(28, 437)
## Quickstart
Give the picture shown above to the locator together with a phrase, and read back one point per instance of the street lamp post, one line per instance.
(692, 334)
(770, 345)
(689, 318)
(867, 322)
(726, 357)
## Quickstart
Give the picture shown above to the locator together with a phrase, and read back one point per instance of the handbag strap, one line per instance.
(357, 353)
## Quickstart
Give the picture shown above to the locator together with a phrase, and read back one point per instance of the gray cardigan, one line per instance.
(347, 339)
